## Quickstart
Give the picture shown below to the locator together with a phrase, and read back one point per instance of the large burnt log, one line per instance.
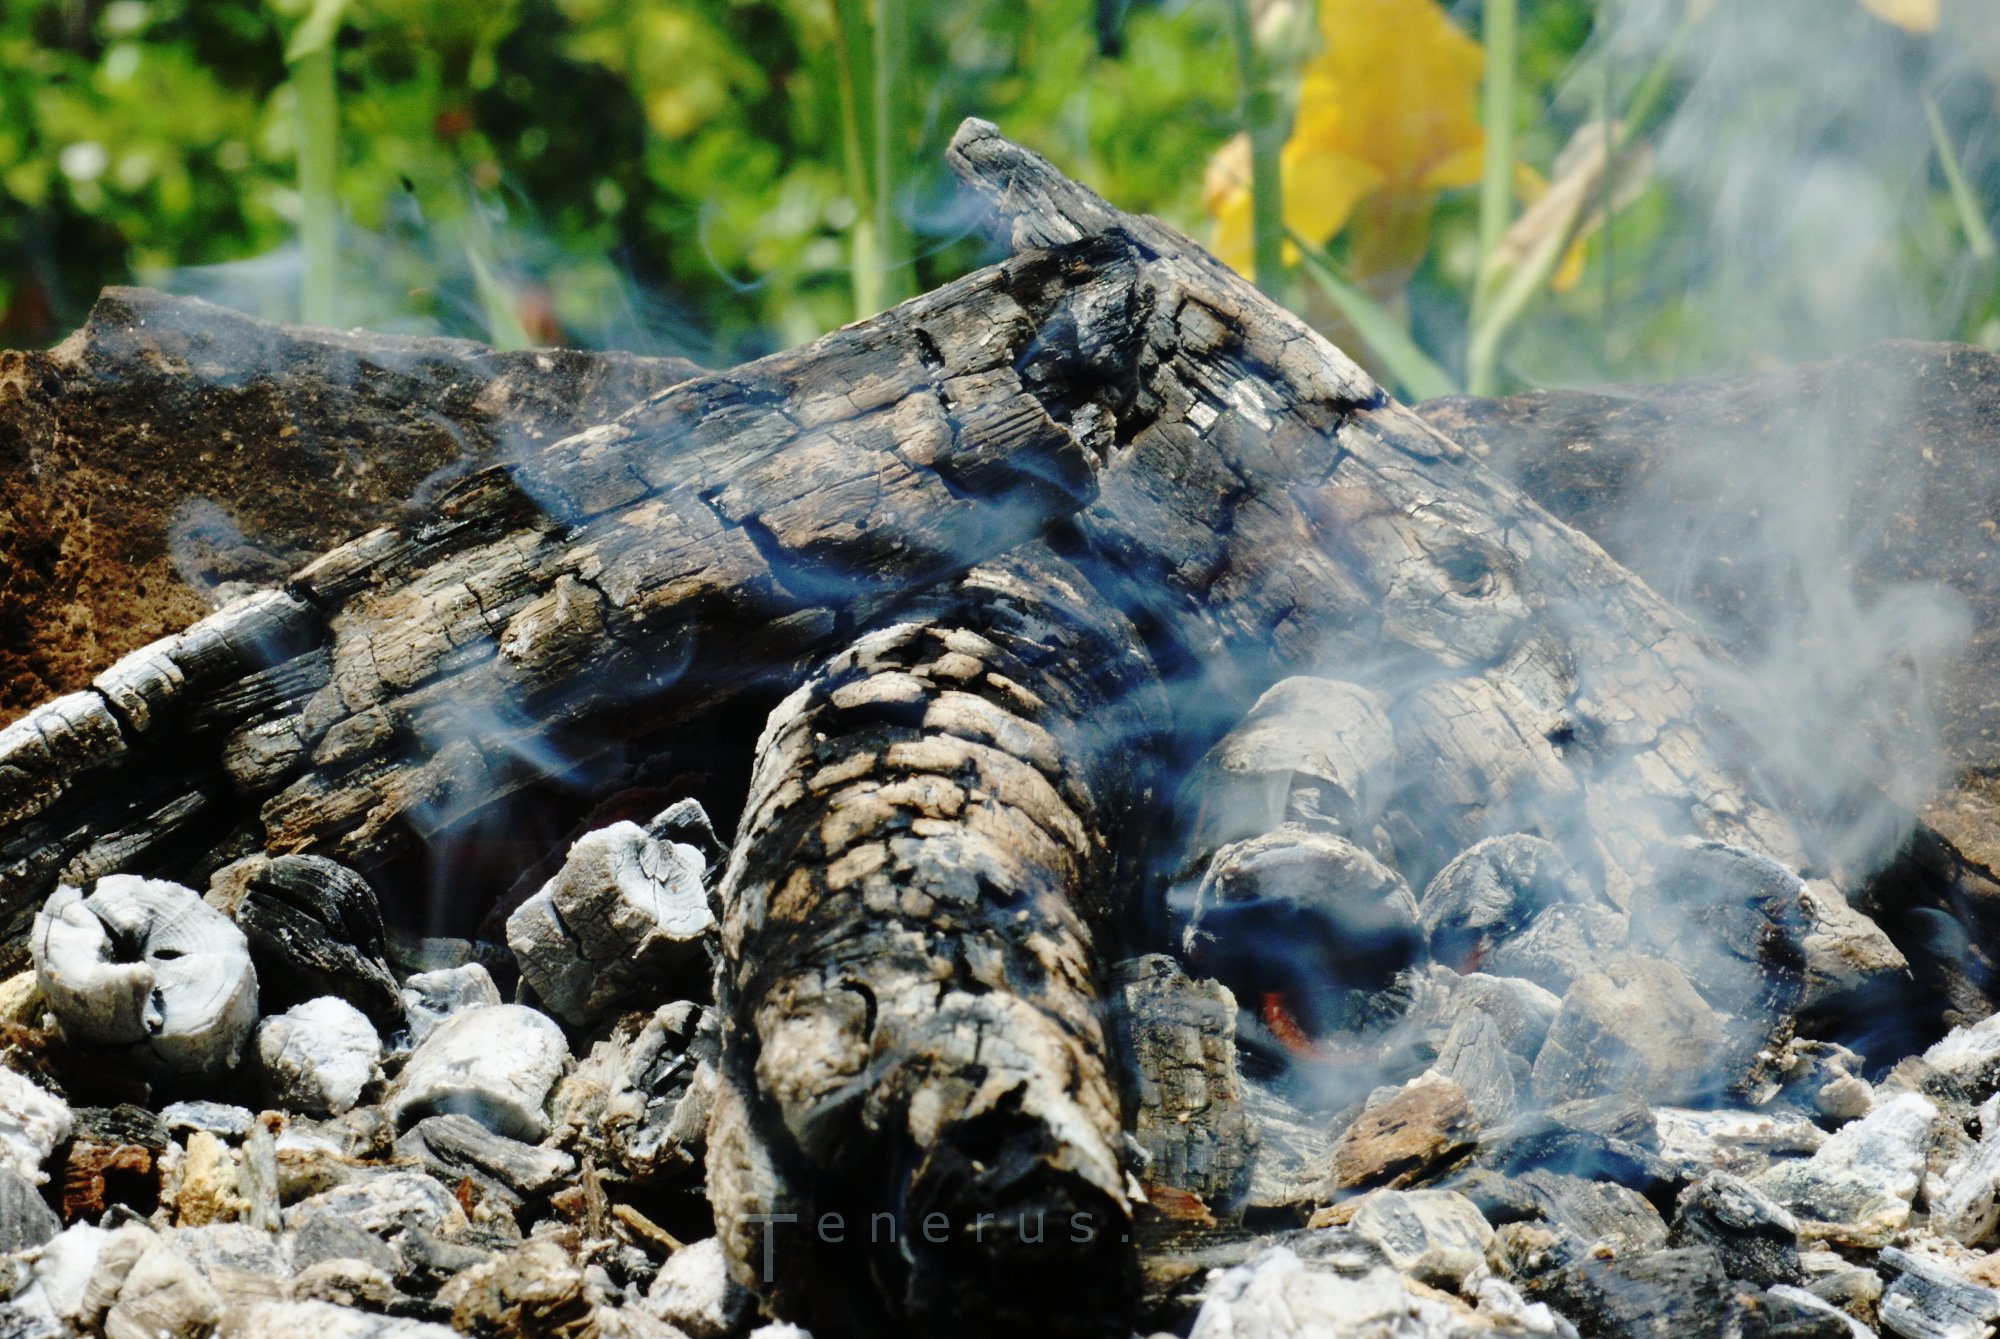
(626, 576)
(170, 449)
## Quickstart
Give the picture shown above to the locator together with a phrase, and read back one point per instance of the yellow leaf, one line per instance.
(1917, 16)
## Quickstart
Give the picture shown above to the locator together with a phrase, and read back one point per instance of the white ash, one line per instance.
(1928, 1299)
(1859, 1187)
(1969, 1057)
(163, 1297)
(693, 1291)
(217, 1118)
(147, 969)
(1279, 1296)
(1437, 1236)
(624, 916)
(245, 1266)
(1964, 1196)
(33, 1121)
(431, 997)
(318, 1057)
(496, 1064)
(323, 1320)
(1732, 1140)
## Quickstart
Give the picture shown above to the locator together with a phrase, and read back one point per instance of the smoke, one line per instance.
(488, 269)
(1799, 160)
(1797, 168)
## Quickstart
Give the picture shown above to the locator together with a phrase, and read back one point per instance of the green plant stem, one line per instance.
(318, 155)
(1977, 235)
(309, 55)
(892, 239)
(497, 302)
(1501, 36)
(1495, 312)
(853, 50)
(1417, 376)
(1264, 122)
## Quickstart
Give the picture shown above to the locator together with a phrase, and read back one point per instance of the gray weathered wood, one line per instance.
(915, 914)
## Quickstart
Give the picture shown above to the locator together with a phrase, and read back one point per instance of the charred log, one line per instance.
(917, 1121)
(631, 574)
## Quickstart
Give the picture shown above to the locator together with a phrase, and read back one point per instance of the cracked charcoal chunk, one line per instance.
(1755, 1237)
(687, 823)
(1634, 1027)
(1569, 1138)
(1928, 1300)
(318, 1057)
(1413, 1134)
(1311, 751)
(25, 1218)
(431, 997)
(1561, 942)
(639, 1102)
(1310, 918)
(496, 1064)
(453, 1147)
(315, 929)
(1589, 1212)
(146, 970)
(1179, 1040)
(625, 917)
(1734, 921)
(1490, 891)
(1681, 1291)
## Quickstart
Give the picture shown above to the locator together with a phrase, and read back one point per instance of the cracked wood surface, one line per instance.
(1269, 511)
(630, 574)
(916, 913)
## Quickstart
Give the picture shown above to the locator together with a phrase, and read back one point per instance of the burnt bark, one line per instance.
(171, 449)
(917, 1122)
(628, 576)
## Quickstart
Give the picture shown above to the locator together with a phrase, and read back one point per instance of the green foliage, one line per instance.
(702, 176)
(666, 174)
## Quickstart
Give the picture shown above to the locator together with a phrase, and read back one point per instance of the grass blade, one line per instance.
(1417, 376)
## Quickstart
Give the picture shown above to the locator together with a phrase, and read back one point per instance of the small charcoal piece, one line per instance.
(315, 928)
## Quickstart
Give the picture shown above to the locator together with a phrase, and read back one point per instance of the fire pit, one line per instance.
(1061, 808)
